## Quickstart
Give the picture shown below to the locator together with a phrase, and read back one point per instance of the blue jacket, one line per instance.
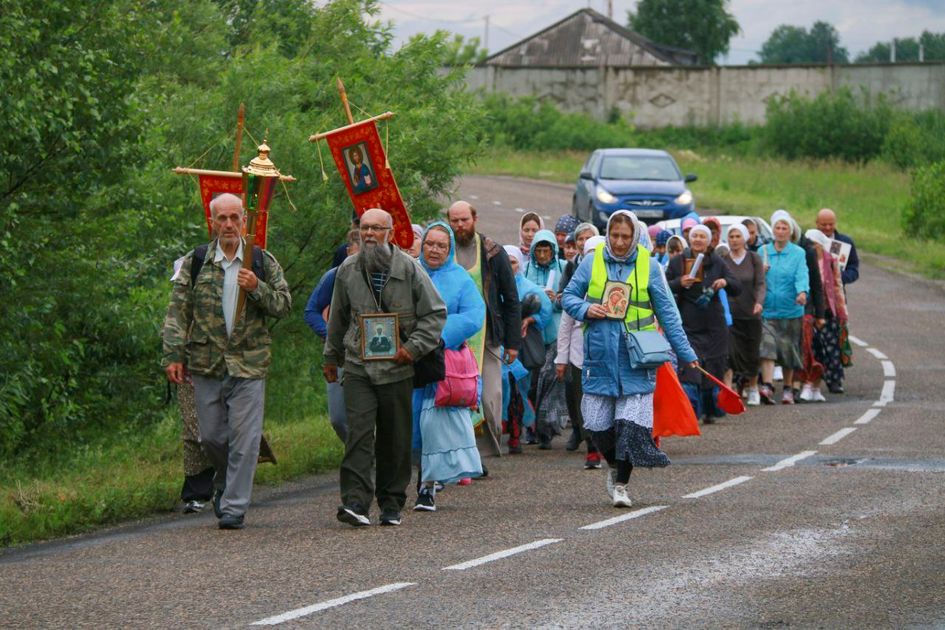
(539, 274)
(543, 318)
(787, 277)
(465, 309)
(607, 370)
(320, 298)
(852, 272)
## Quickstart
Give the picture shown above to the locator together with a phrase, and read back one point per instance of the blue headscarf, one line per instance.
(465, 309)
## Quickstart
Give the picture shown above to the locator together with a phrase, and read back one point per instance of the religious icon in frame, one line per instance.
(360, 168)
(616, 299)
(380, 336)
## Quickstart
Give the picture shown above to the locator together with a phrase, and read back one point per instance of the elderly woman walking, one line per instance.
(696, 279)
(745, 332)
(444, 436)
(617, 403)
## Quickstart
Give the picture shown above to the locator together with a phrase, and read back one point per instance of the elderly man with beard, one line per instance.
(228, 357)
(378, 393)
(488, 265)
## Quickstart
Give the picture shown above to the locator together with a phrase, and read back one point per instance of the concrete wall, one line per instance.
(661, 96)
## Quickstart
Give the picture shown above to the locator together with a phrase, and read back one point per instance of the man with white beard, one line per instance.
(378, 393)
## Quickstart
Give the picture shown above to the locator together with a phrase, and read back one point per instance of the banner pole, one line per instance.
(240, 117)
(344, 101)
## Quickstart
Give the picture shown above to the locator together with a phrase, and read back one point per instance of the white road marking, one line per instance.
(546, 217)
(502, 554)
(876, 353)
(474, 197)
(836, 437)
(625, 517)
(721, 486)
(887, 395)
(520, 210)
(496, 203)
(889, 370)
(867, 417)
(858, 341)
(790, 461)
(331, 603)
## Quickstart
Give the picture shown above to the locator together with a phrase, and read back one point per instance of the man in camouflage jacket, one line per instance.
(228, 359)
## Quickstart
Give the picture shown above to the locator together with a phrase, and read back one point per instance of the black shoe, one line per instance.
(708, 420)
(426, 501)
(228, 521)
(353, 515)
(573, 442)
(193, 506)
(485, 471)
(217, 497)
(544, 443)
(391, 518)
(836, 389)
(515, 450)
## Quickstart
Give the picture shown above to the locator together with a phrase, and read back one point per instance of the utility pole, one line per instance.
(485, 40)
(921, 52)
(610, 9)
(892, 52)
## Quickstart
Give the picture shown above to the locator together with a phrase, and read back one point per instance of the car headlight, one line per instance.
(605, 197)
(603, 217)
(684, 199)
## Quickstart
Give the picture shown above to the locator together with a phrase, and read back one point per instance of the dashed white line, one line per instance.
(876, 353)
(520, 210)
(474, 197)
(836, 437)
(858, 341)
(867, 417)
(331, 603)
(546, 217)
(889, 370)
(502, 554)
(625, 517)
(790, 461)
(887, 395)
(496, 203)
(721, 486)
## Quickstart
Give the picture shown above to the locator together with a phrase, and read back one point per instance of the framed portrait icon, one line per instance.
(360, 168)
(616, 299)
(380, 336)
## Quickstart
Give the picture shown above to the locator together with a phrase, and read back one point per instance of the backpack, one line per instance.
(200, 252)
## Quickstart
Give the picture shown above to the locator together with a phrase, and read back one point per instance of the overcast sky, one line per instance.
(861, 23)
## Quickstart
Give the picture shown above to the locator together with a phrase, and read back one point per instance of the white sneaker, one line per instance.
(611, 480)
(778, 373)
(807, 393)
(817, 395)
(754, 398)
(620, 497)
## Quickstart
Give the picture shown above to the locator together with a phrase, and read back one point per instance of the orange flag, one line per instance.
(672, 413)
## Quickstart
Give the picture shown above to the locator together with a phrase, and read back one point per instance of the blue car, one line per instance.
(644, 181)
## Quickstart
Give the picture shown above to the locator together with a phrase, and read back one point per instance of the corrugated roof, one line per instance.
(587, 38)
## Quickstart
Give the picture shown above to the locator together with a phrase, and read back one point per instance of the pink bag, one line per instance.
(460, 388)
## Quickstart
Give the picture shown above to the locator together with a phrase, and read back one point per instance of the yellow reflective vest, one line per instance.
(640, 311)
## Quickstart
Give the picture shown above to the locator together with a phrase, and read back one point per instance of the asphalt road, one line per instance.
(817, 515)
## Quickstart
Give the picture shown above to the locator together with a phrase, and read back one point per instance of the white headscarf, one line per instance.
(818, 237)
(701, 228)
(514, 252)
(592, 243)
(637, 230)
(782, 215)
(741, 228)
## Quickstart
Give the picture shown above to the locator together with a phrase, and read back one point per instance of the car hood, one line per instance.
(642, 186)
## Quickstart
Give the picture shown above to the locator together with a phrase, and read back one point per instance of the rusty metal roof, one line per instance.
(587, 38)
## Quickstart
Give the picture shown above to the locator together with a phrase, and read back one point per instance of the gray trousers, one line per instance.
(230, 412)
(336, 407)
(491, 401)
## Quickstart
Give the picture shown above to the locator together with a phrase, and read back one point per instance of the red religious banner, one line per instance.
(215, 184)
(359, 156)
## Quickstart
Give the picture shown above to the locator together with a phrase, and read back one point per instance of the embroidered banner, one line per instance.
(359, 156)
(213, 185)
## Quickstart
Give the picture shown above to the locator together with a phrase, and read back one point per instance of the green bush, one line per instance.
(924, 214)
(830, 125)
(915, 139)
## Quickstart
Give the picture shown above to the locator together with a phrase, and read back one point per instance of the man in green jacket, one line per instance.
(378, 393)
(228, 358)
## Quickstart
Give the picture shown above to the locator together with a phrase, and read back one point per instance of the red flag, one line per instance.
(359, 156)
(672, 413)
(213, 185)
(729, 401)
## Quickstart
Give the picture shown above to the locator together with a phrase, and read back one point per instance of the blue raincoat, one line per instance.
(547, 276)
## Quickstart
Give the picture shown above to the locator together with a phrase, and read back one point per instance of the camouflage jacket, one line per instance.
(195, 331)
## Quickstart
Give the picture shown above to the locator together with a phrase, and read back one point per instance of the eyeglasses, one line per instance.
(439, 247)
(373, 228)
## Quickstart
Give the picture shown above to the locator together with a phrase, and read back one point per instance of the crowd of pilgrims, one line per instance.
(750, 313)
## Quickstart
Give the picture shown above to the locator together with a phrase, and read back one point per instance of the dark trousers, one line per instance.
(380, 428)
(573, 393)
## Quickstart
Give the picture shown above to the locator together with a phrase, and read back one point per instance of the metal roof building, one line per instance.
(587, 38)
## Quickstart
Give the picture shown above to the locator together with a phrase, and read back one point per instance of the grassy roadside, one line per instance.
(136, 472)
(868, 199)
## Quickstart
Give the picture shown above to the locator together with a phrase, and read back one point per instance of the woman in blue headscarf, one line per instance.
(444, 436)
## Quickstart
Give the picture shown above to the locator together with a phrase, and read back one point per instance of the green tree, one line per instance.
(795, 44)
(703, 26)
(464, 52)
(907, 49)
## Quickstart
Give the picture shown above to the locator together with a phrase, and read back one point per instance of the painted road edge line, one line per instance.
(889, 370)
(331, 603)
(876, 353)
(721, 486)
(836, 437)
(502, 554)
(867, 417)
(790, 461)
(625, 517)
(858, 341)
(887, 395)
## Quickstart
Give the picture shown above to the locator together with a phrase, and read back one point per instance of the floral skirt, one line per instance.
(631, 419)
(827, 349)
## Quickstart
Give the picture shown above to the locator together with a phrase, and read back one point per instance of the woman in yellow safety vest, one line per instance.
(618, 400)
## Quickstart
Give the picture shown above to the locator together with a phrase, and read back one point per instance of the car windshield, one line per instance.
(648, 167)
